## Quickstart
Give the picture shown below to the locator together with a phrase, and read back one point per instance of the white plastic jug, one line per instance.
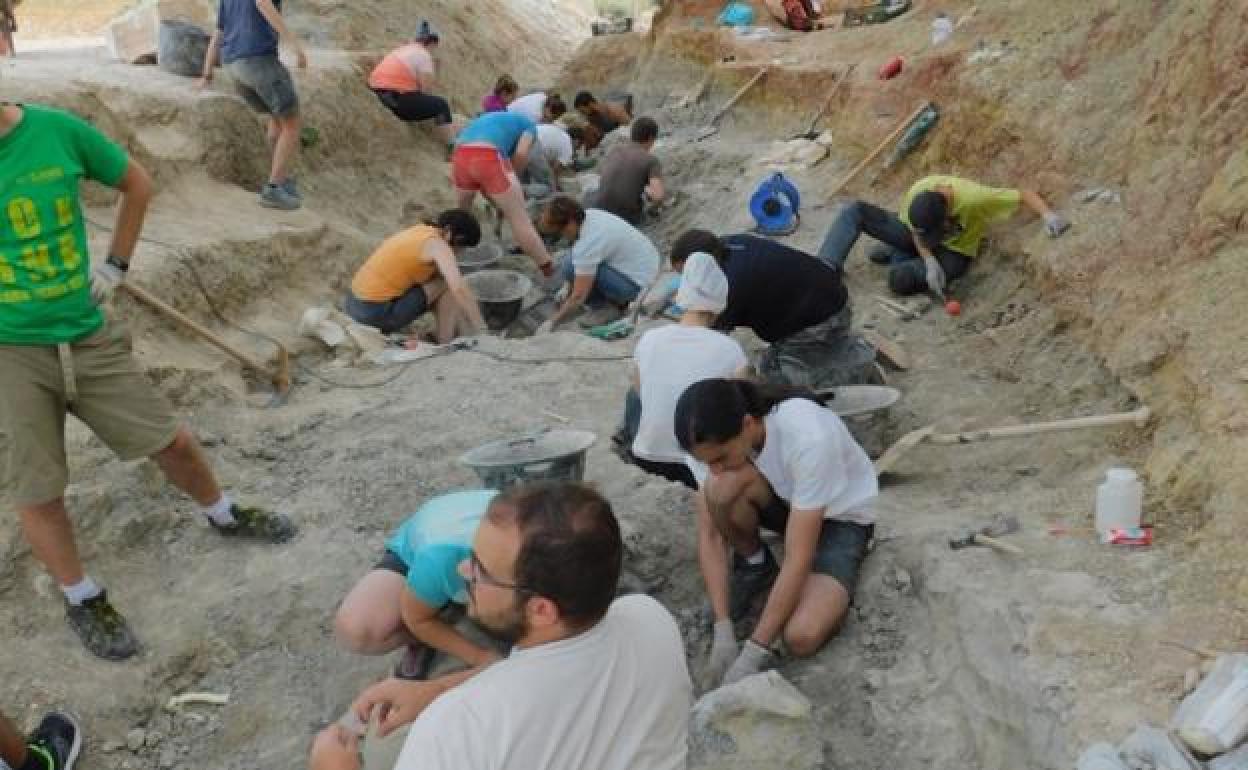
(1118, 500)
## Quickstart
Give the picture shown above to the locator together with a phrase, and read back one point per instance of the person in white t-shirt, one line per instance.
(591, 682)
(610, 261)
(773, 457)
(539, 107)
(671, 358)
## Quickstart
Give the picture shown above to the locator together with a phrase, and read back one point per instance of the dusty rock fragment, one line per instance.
(1151, 748)
(136, 738)
(761, 721)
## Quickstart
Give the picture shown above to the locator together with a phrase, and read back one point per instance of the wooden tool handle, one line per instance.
(1138, 417)
(737, 96)
(836, 87)
(999, 545)
(182, 320)
(878, 149)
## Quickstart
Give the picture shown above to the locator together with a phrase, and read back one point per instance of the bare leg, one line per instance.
(51, 536)
(12, 744)
(187, 469)
(463, 198)
(735, 499)
(446, 132)
(284, 148)
(271, 132)
(369, 621)
(512, 205)
(819, 614)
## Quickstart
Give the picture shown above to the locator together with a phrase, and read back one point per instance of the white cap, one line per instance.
(703, 285)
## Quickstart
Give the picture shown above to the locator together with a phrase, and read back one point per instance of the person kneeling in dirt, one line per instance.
(769, 457)
(801, 15)
(604, 116)
(631, 177)
(671, 358)
(797, 303)
(592, 681)
(414, 595)
(404, 79)
(415, 270)
(54, 745)
(488, 153)
(60, 354)
(608, 264)
(503, 94)
(938, 232)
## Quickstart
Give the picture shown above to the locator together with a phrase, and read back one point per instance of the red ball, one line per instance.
(953, 307)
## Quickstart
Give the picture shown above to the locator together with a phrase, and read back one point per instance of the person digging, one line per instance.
(937, 233)
(60, 354)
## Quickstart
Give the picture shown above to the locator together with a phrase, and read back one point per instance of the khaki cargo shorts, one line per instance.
(112, 397)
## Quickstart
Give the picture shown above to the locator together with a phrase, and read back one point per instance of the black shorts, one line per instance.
(842, 544)
(415, 106)
(391, 562)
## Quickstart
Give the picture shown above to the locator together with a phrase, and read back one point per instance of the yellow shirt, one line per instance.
(397, 265)
(975, 206)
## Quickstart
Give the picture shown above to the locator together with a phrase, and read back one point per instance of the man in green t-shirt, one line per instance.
(60, 355)
(937, 233)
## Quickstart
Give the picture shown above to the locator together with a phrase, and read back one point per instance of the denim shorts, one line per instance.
(388, 316)
(842, 544)
(265, 84)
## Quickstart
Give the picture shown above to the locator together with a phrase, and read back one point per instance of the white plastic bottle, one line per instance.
(942, 29)
(1118, 501)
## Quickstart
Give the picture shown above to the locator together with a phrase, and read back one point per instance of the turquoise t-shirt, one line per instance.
(435, 539)
(500, 129)
(45, 291)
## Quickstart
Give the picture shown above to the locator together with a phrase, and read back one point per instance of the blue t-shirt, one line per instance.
(435, 539)
(244, 32)
(501, 129)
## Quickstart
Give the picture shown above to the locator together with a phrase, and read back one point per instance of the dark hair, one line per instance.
(698, 240)
(644, 130)
(571, 550)
(927, 215)
(713, 411)
(562, 210)
(425, 33)
(465, 231)
(505, 84)
(583, 99)
(554, 103)
(576, 133)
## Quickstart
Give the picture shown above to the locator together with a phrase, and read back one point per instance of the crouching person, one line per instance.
(774, 458)
(413, 596)
(591, 681)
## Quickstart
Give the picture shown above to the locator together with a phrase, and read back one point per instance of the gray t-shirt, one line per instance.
(625, 172)
(605, 238)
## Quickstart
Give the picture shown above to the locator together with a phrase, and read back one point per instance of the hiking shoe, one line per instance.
(608, 312)
(748, 581)
(277, 197)
(102, 629)
(416, 661)
(291, 188)
(883, 254)
(269, 526)
(58, 739)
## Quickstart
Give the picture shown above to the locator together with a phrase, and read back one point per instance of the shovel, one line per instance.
(810, 132)
(912, 439)
(711, 128)
(987, 536)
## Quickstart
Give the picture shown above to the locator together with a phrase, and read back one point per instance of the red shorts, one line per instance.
(480, 169)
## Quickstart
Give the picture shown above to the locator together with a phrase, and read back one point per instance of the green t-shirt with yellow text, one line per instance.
(975, 206)
(45, 293)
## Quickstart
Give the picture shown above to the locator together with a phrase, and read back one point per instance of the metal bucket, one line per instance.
(501, 295)
(483, 256)
(555, 455)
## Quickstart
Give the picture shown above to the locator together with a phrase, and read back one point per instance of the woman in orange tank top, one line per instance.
(414, 271)
(403, 81)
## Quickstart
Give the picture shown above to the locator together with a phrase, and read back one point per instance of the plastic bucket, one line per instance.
(555, 455)
(501, 295)
(480, 257)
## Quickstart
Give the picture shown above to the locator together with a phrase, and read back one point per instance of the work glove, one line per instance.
(935, 276)
(105, 278)
(751, 660)
(1055, 224)
(723, 651)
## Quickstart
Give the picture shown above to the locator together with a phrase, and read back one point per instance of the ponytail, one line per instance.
(713, 411)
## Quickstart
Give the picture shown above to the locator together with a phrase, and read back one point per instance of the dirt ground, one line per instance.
(950, 659)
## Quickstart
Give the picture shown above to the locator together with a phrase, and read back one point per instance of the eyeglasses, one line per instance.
(478, 574)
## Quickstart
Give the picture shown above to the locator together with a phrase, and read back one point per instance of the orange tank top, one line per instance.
(397, 265)
(401, 69)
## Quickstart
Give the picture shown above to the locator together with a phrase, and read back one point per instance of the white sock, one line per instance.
(81, 591)
(757, 558)
(219, 512)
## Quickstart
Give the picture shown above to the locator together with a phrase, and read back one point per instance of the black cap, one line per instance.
(928, 213)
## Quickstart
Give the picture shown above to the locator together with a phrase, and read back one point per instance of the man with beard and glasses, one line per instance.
(591, 681)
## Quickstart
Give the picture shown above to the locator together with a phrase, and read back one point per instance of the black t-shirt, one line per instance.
(777, 291)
